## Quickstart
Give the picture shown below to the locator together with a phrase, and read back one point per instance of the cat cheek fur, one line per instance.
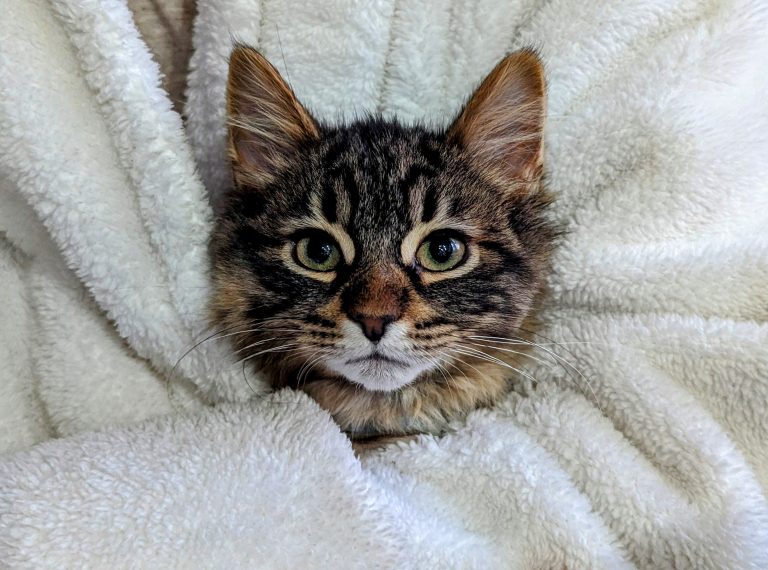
(384, 345)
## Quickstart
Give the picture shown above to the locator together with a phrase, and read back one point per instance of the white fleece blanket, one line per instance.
(648, 449)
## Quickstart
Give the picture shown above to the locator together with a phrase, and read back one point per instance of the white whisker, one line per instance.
(314, 363)
(267, 351)
(441, 369)
(493, 360)
(557, 357)
(527, 355)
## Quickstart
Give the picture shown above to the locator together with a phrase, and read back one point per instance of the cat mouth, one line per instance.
(377, 358)
(377, 371)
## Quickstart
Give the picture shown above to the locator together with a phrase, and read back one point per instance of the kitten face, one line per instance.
(368, 255)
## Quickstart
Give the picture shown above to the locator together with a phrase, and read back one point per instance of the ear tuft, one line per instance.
(266, 121)
(501, 125)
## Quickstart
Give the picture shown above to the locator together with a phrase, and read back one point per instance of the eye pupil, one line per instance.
(440, 252)
(442, 249)
(319, 250)
(317, 253)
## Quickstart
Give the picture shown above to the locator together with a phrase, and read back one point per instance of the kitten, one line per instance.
(364, 264)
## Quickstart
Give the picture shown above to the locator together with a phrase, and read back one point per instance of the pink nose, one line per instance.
(374, 328)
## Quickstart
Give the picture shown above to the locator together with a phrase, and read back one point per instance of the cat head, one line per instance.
(368, 255)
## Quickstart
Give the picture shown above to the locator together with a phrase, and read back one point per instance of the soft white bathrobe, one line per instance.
(648, 448)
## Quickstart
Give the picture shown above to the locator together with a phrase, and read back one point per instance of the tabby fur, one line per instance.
(378, 189)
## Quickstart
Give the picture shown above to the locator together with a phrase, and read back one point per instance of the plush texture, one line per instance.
(653, 454)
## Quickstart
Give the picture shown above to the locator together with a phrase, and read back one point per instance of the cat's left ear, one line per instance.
(501, 125)
(267, 123)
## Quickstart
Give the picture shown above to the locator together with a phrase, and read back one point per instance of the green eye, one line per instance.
(317, 252)
(440, 252)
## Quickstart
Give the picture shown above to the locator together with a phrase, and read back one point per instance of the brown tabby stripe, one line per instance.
(377, 184)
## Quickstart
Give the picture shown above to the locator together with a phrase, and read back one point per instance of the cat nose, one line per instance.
(376, 299)
(374, 328)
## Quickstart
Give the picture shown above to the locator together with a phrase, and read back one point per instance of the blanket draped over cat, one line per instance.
(643, 441)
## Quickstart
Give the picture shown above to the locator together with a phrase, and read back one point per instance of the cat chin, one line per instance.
(385, 367)
(377, 376)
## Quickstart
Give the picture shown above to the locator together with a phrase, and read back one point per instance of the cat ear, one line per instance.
(266, 122)
(501, 124)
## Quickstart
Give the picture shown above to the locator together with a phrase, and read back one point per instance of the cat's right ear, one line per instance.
(266, 122)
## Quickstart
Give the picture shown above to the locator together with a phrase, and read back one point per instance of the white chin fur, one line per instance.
(377, 376)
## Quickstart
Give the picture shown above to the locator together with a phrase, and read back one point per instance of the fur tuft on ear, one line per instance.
(266, 121)
(501, 125)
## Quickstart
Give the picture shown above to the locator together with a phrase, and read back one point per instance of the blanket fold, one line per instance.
(643, 441)
(140, 181)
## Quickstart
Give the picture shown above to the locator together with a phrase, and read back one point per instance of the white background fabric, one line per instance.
(648, 449)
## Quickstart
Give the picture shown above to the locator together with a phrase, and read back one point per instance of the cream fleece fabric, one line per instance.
(644, 442)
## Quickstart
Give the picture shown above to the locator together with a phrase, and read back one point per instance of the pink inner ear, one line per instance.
(266, 121)
(502, 122)
(257, 155)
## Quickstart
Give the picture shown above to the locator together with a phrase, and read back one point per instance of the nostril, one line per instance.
(374, 328)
